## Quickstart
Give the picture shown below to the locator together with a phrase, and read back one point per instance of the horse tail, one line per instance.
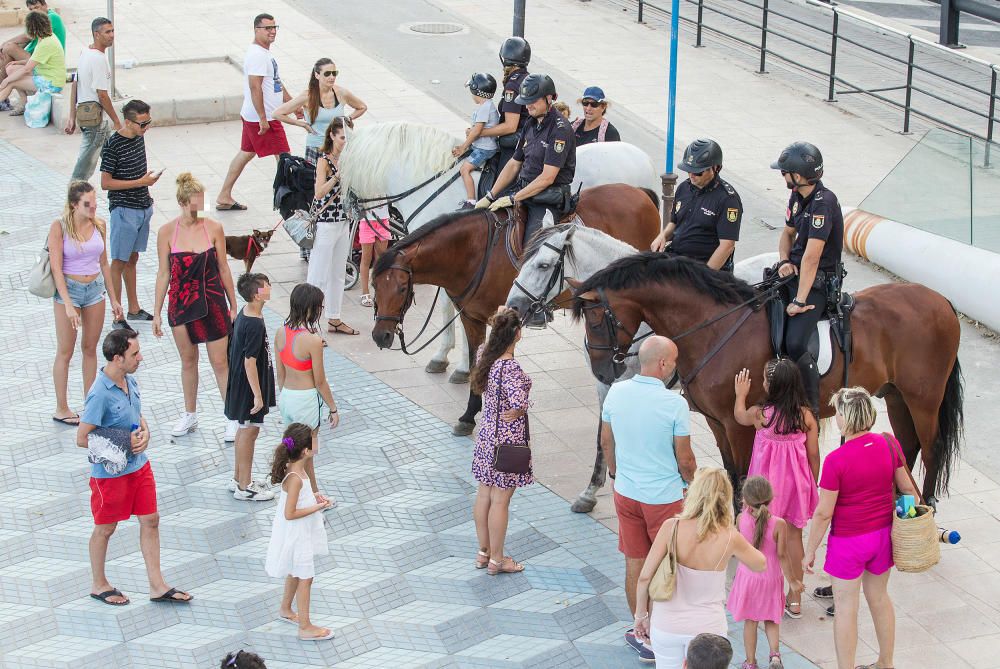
(652, 196)
(951, 425)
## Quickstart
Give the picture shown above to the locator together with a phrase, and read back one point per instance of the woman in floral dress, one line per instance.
(505, 388)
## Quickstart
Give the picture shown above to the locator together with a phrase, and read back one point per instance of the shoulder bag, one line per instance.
(301, 225)
(664, 581)
(89, 114)
(915, 543)
(511, 458)
(40, 281)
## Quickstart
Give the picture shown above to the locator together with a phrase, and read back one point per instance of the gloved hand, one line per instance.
(502, 203)
(482, 204)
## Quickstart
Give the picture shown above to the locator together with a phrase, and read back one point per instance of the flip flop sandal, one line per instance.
(288, 620)
(482, 560)
(506, 566)
(17, 112)
(114, 592)
(72, 421)
(794, 615)
(341, 328)
(328, 635)
(367, 301)
(824, 592)
(873, 665)
(169, 598)
(235, 206)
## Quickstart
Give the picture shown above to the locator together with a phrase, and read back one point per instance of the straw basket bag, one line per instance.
(915, 544)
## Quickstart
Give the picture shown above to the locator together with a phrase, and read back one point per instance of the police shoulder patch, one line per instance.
(795, 209)
(508, 95)
(559, 145)
(732, 214)
(818, 221)
(677, 206)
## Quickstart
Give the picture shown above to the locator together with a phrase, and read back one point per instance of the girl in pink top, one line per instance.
(757, 598)
(785, 452)
(856, 493)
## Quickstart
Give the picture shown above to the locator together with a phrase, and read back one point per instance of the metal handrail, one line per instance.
(834, 34)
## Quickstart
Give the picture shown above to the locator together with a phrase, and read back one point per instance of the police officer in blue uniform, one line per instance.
(705, 222)
(810, 248)
(515, 54)
(544, 161)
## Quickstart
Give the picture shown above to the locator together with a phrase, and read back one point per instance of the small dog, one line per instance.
(248, 247)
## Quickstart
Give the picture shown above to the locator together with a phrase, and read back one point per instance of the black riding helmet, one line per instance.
(535, 87)
(482, 85)
(515, 51)
(700, 155)
(801, 158)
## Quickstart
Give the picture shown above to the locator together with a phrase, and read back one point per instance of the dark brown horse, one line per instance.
(465, 254)
(905, 350)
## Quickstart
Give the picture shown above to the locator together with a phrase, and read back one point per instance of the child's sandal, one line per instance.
(775, 661)
(482, 560)
(747, 664)
(367, 301)
(794, 615)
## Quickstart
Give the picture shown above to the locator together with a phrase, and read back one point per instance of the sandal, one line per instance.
(794, 615)
(170, 597)
(367, 301)
(873, 665)
(341, 328)
(747, 664)
(482, 559)
(18, 112)
(114, 592)
(775, 661)
(234, 206)
(505, 566)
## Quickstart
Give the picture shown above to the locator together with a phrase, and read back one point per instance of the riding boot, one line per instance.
(810, 378)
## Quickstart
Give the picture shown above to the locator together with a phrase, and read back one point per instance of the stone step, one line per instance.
(206, 530)
(351, 482)
(171, 498)
(506, 651)
(181, 464)
(280, 641)
(425, 475)
(28, 510)
(559, 570)
(424, 510)
(605, 647)
(69, 652)
(360, 593)
(8, 477)
(90, 618)
(41, 581)
(245, 562)
(523, 541)
(434, 627)
(229, 603)
(456, 579)
(562, 615)
(22, 625)
(15, 547)
(386, 549)
(382, 658)
(184, 645)
(64, 472)
(184, 570)
(70, 540)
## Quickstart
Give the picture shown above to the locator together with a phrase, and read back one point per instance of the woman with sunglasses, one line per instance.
(593, 127)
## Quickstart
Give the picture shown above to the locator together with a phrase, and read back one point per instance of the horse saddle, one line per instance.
(834, 329)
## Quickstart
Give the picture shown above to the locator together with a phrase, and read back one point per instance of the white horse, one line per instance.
(387, 159)
(584, 251)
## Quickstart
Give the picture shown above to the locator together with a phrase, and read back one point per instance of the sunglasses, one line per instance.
(267, 27)
(330, 73)
(591, 103)
(697, 174)
(144, 124)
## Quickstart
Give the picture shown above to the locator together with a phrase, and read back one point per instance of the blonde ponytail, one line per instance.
(187, 187)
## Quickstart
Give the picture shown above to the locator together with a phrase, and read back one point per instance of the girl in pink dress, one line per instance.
(785, 452)
(758, 597)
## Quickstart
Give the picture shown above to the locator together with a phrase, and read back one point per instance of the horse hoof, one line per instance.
(463, 429)
(583, 505)
(458, 377)
(436, 366)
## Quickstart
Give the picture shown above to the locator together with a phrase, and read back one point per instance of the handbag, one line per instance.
(512, 458)
(89, 114)
(664, 581)
(40, 281)
(301, 225)
(915, 543)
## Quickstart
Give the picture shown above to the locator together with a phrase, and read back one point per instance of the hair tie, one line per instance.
(232, 659)
(289, 444)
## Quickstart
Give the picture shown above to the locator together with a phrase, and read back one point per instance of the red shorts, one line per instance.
(638, 524)
(120, 498)
(271, 143)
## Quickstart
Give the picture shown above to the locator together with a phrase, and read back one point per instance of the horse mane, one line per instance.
(543, 235)
(387, 258)
(652, 267)
(374, 151)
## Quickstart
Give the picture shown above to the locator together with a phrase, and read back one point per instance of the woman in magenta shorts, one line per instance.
(856, 494)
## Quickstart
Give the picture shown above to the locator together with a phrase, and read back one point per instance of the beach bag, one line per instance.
(915, 543)
(664, 581)
(109, 447)
(38, 107)
(512, 458)
(40, 281)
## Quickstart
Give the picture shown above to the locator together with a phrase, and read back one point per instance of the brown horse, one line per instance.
(464, 254)
(905, 350)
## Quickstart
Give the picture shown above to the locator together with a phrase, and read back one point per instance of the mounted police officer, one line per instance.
(810, 248)
(544, 161)
(515, 54)
(705, 222)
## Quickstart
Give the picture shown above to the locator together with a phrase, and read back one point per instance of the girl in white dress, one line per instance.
(297, 534)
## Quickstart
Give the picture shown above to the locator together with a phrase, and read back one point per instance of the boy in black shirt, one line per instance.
(250, 392)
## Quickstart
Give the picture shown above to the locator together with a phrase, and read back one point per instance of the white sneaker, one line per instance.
(255, 492)
(231, 428)
(185, 424)
(232, 486)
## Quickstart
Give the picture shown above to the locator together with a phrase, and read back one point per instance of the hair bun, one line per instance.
(184, 178)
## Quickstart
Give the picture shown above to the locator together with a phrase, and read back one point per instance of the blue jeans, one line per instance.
(90, 150)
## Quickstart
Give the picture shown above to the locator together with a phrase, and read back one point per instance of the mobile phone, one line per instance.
(157, 173)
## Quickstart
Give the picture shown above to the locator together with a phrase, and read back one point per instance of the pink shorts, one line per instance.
(371, 231)
(849, 557)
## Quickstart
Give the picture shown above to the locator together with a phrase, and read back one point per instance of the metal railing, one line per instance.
(974, 98)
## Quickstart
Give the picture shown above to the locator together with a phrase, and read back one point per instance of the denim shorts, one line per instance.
(84, 295)
(129, 231)
(478, 157)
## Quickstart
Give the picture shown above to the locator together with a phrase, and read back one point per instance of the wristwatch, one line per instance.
(797, 303)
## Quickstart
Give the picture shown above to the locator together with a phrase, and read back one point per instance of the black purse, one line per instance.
(511, 458)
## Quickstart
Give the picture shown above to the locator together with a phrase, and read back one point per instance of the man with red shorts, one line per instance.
(263, 92)
(113, 402)
(645, 434)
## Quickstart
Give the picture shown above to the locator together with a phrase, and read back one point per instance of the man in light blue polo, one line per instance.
(645, 435)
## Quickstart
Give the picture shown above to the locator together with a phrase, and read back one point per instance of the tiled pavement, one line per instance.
(398, 587)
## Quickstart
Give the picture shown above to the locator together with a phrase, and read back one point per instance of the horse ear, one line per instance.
(589, 296)
(573, 283)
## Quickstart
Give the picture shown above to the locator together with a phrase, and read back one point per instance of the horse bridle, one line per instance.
(613, 325)
(539, 303)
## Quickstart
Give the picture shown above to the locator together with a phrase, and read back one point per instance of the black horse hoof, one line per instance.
(583, 505)
(436, 367)
(458, 377)
(463, 429)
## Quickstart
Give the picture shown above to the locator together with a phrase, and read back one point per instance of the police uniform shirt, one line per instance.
(704, 216)
(816, 217)
(549, 141)
(510, 91)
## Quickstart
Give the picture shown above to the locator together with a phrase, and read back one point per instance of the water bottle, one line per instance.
(949, 536)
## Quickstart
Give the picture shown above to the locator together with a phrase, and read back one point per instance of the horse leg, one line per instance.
(467, 422)
(587, 500)
(902, 425)
(919, 427)
(439, 362)
(725, 451)
(461, 373)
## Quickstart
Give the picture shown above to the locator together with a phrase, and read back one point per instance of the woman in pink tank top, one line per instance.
(81, 272)
(706, 539)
